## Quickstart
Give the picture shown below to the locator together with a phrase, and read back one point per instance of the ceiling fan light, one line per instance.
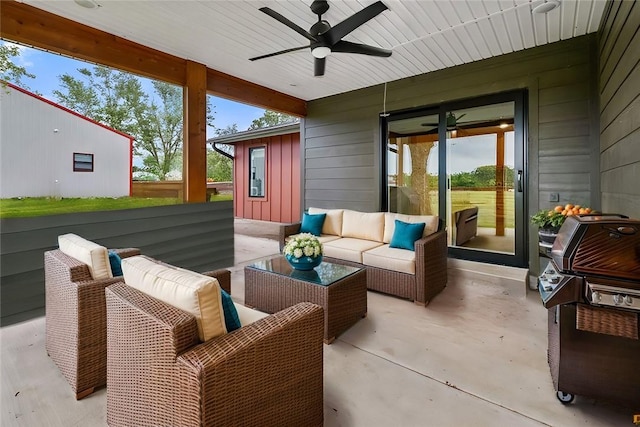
(546, 7)
(320, 52)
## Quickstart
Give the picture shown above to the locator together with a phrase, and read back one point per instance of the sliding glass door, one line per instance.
(465, 163)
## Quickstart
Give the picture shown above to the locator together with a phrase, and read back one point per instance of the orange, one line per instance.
(569, 213)
(568, 206)
(587, 210)
(558, 209)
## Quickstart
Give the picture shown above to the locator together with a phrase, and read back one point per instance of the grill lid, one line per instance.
(603, 245)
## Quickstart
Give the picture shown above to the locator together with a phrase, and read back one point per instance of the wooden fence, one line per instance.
(175, 189)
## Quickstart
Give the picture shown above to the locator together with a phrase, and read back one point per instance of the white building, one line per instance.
(48, 150)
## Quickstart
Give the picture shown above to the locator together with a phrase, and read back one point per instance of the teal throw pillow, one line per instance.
(116, 263)
(405, 234)
(231, 319)
(312, 223)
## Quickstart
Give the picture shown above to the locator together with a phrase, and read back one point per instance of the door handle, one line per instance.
(519, 181)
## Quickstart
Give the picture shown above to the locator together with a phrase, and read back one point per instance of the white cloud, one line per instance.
(25, 53)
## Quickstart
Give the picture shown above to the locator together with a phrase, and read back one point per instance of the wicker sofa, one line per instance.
(268, 372)
(76, 320)
(363, 239)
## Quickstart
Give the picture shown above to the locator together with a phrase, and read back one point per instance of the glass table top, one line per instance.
(325, 274)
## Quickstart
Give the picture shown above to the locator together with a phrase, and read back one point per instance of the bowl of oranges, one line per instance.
(554, 218)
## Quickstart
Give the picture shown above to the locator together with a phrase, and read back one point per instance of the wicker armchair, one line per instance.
(268, 373)
(76, 325)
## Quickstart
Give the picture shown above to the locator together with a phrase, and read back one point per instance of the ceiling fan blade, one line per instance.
(349, 47)
(318, 67)
(298, 29)
(336, 33)
(293, 49)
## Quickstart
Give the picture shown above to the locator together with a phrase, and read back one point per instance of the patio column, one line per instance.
(195, 133)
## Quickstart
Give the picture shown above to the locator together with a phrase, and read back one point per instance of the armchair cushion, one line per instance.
(405, 235)
(231, 319)
(312, 223)
(96, 257)
(116, 263)
(192, 292)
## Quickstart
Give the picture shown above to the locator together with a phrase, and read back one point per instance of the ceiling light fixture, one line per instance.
(320, 52)
(546, 7)
(88, 4)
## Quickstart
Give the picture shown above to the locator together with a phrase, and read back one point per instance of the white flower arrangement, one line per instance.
(303, 245)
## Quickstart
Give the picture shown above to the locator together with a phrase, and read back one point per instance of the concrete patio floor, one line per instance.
(475, 356)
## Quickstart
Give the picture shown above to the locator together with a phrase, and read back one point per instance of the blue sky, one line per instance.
(47, 67)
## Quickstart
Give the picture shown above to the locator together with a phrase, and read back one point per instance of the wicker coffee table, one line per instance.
(272, 285)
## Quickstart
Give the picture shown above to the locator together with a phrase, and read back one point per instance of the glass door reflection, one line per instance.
(480, 196)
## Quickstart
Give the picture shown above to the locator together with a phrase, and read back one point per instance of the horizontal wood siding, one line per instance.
(342, 145)
(282, 200)
(198, 237)
(619, 45)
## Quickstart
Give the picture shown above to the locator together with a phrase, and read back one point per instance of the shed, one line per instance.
(266, 172)
(48, 150)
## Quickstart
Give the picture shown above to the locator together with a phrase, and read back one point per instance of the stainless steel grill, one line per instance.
(591, 288)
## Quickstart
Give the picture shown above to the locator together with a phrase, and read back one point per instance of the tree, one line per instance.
(230, 129)
(9, 70)
(164, 141)
(110, 97)
(119, 100)
(272, 118)
(219, 166)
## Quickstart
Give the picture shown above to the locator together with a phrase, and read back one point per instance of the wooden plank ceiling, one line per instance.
(425, 35)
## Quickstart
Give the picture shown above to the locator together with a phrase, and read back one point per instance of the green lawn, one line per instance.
(486, 203)
(40, 206)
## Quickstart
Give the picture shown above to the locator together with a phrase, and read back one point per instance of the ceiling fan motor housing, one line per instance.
(319, 6)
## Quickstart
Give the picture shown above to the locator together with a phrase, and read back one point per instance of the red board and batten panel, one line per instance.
(282, 199)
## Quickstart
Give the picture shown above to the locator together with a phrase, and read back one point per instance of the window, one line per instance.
(82, 162)
(257, 171)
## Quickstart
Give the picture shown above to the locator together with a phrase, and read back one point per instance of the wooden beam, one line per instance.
(32, 26)
(195, 129)
(234, 88)
(29, 25)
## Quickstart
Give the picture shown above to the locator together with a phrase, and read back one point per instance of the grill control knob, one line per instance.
(596, 297)
(617, 299)
(553, 280)
(628, 300)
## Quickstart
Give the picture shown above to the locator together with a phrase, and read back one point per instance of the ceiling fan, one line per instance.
(452, 121)
(325, 39)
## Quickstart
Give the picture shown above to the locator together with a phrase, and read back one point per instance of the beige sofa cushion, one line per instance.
(332, 222)
(430, 221)
(348, 249)
(192, 292)
(95, 256)
(363, 225)
(401, 260)
(323, 238)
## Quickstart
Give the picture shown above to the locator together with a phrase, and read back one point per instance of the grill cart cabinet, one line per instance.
(589, 363)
